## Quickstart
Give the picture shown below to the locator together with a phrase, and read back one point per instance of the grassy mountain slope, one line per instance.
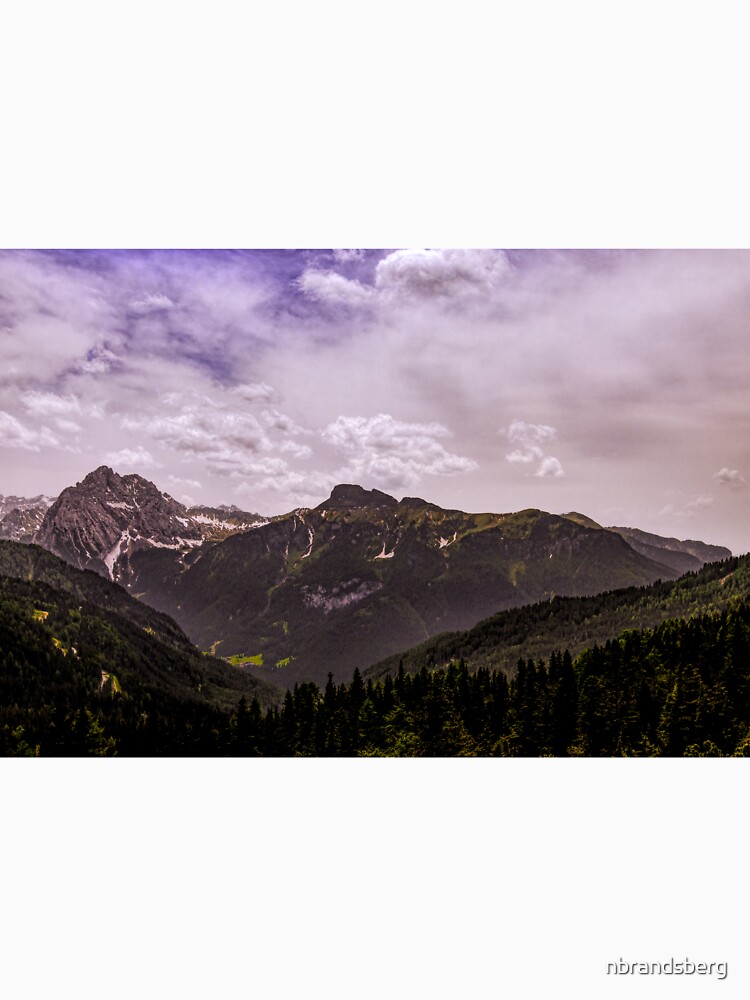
(33, 563)
(363, 576)
(576, 623)
(682, 555)
(112, 632)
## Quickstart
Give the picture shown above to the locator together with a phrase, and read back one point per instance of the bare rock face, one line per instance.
(10, 503)
(348, 495)
(98, 523)
(20, 524)
(21, 517)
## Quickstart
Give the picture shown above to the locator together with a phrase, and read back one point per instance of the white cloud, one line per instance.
(550, 467)
(531, 453)
(178, 481)
(306, 488)
(730, 478)
(49, 404)
(275, 420)
(97, 361)
(333, 288)
(152, 303)
(346, 256)
(14, 434)
(522, 433)
(296, 450)
(223, 439)
(689, 509)
(226, 441)
(254, 392)
(405, 275)
(530, 437)
(131, 458)
(441, 272)
(389, 451)
(265, 466)
(68, 426)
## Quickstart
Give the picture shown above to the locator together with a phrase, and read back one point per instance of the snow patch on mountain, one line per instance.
(339, 596)
(311, 537)
(114, 553)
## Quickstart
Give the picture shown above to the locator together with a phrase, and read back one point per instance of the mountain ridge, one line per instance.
(339, 586)
(21, 517)
(103, 520)
(575, 624)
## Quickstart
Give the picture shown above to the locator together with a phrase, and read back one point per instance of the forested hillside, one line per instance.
(682, 689)
(77, 678)
(33, 563)
(575, 623)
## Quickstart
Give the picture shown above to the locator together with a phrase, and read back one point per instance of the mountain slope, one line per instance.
(364, 575)
(218, 523)
(102, 521)
(673, 551)
(576, 623)
(682, 689)
(29, 572)
(10, 503)
(21, 517)
(681, 555)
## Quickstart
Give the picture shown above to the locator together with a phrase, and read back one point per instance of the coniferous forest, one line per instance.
(679, 689)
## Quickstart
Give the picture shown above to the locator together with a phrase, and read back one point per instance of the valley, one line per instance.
(132, 624)
(359, 578)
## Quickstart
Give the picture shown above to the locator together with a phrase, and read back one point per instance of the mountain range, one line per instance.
(359, 578)
(21, 517)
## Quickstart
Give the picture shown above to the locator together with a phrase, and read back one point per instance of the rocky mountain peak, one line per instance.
(351, 495)
(101, 476)
(11, 502)
(103, 520)
(98, 523)
(21, 517)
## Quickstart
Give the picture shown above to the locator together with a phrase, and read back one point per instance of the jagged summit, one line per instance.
(351, 495)
(106, 478)
(20, 517)
(104, 474)
(102, 521)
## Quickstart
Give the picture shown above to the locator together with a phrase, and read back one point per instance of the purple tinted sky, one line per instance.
(614, 383)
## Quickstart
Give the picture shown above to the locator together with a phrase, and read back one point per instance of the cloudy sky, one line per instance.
(616, 383)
